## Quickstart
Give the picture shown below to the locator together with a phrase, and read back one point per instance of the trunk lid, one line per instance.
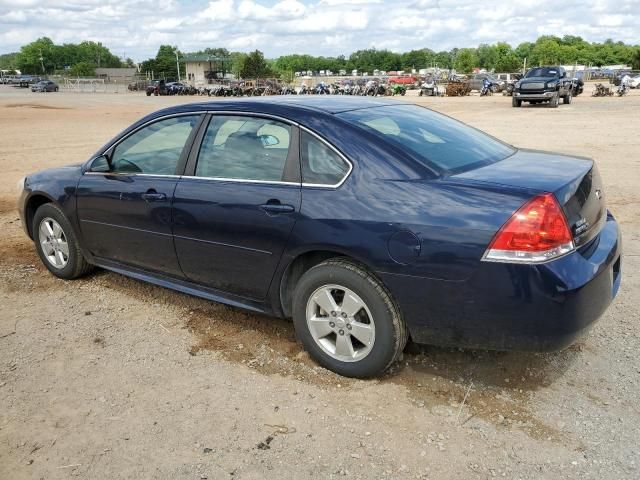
(574, 181)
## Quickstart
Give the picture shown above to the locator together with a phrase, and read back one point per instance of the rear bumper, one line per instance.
(534, 96)
(515, 307)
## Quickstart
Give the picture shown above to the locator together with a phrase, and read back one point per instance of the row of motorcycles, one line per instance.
(371, 88)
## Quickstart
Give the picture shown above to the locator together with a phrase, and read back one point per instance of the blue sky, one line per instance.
(320, 27)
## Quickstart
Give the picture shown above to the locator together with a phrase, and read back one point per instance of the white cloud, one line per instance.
(320, 27)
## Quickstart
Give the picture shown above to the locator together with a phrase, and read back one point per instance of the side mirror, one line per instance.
(101, 164)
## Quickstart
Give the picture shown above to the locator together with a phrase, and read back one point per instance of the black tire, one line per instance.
(76, 265)
(390, 331)
(567, 98)
(553, 103)
(515, 102)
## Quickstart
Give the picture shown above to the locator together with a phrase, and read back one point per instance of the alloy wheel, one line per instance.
(53, 242)
(340, 323)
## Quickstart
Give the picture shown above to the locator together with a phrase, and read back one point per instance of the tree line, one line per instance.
(78, 59)
(43, 56)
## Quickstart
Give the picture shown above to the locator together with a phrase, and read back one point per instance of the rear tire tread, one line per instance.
(393, 309)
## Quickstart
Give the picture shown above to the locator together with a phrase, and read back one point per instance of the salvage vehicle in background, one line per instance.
(543, 85)
(477, 82)
(157, 87)
(45, 86)
(408, 80)
(365, 220)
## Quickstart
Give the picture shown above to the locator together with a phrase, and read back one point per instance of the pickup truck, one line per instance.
(543, 84)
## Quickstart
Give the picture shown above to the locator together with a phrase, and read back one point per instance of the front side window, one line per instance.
(244, 148)
(435, 140)
(320, 164)
(154, 149)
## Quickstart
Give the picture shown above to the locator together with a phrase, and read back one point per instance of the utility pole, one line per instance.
(177, 62)
(41, 60)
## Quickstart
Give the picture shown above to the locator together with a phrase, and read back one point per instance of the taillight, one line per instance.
(536, 233)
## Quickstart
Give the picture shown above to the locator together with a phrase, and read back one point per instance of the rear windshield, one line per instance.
(439, 142)
(542, 72)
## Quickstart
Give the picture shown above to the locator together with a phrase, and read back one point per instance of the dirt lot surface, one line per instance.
(106, 377)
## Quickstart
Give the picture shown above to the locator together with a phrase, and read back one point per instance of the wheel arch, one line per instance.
(35, 201)
(304, 261)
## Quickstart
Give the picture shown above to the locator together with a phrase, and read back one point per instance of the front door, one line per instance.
(124, 207)
(235, 211)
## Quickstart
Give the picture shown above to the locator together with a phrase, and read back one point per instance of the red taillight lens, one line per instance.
(537, 232)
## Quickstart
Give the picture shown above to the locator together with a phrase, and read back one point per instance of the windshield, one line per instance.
(542, 72)
(439, 142)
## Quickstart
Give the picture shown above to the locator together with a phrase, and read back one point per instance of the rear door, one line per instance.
(234, 211)
(124, 207)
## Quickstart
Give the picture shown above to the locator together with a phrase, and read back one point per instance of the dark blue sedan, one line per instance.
(368, 222)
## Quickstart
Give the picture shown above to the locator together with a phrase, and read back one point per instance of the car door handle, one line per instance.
(275, 208)
(153, 196)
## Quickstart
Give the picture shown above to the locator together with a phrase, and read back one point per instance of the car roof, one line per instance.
(293, 105)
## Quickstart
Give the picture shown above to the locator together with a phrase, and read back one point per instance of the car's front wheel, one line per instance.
(56, 243)
(347, 320)
(515, 102)
(567, 98)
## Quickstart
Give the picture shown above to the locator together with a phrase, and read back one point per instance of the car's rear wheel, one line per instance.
(56, 243)
(347, 320)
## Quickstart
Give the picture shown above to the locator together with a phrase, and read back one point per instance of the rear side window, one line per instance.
(244, 148)
(436, 140)
(320, 164)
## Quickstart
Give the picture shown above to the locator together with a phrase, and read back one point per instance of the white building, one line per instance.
(203, 69)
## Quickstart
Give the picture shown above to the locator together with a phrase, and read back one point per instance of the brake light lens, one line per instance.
(536, 233)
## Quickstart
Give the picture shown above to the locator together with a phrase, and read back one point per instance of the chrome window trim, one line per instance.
(122, 139)
(240, 180)
(301, 127)
(235, 180)
(234, 113)
(337, 152)
(124, 174)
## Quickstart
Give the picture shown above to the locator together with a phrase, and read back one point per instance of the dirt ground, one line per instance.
(107, 377)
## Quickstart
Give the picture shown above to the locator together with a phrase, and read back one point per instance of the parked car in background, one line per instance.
(635, 82)
(45, 86)
(544, 85)
(366, 221)
(509, 77)
(476, 82)
(157, 87)
(24, 80)
(404, 80)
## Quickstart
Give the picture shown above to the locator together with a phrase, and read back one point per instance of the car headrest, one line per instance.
(243, 141)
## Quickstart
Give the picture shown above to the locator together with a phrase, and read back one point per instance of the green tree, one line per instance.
(466, 60)
(164, 65)
(36, 57)
(635, 59)
(82, 69)
(8, 61)
(255, 66)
